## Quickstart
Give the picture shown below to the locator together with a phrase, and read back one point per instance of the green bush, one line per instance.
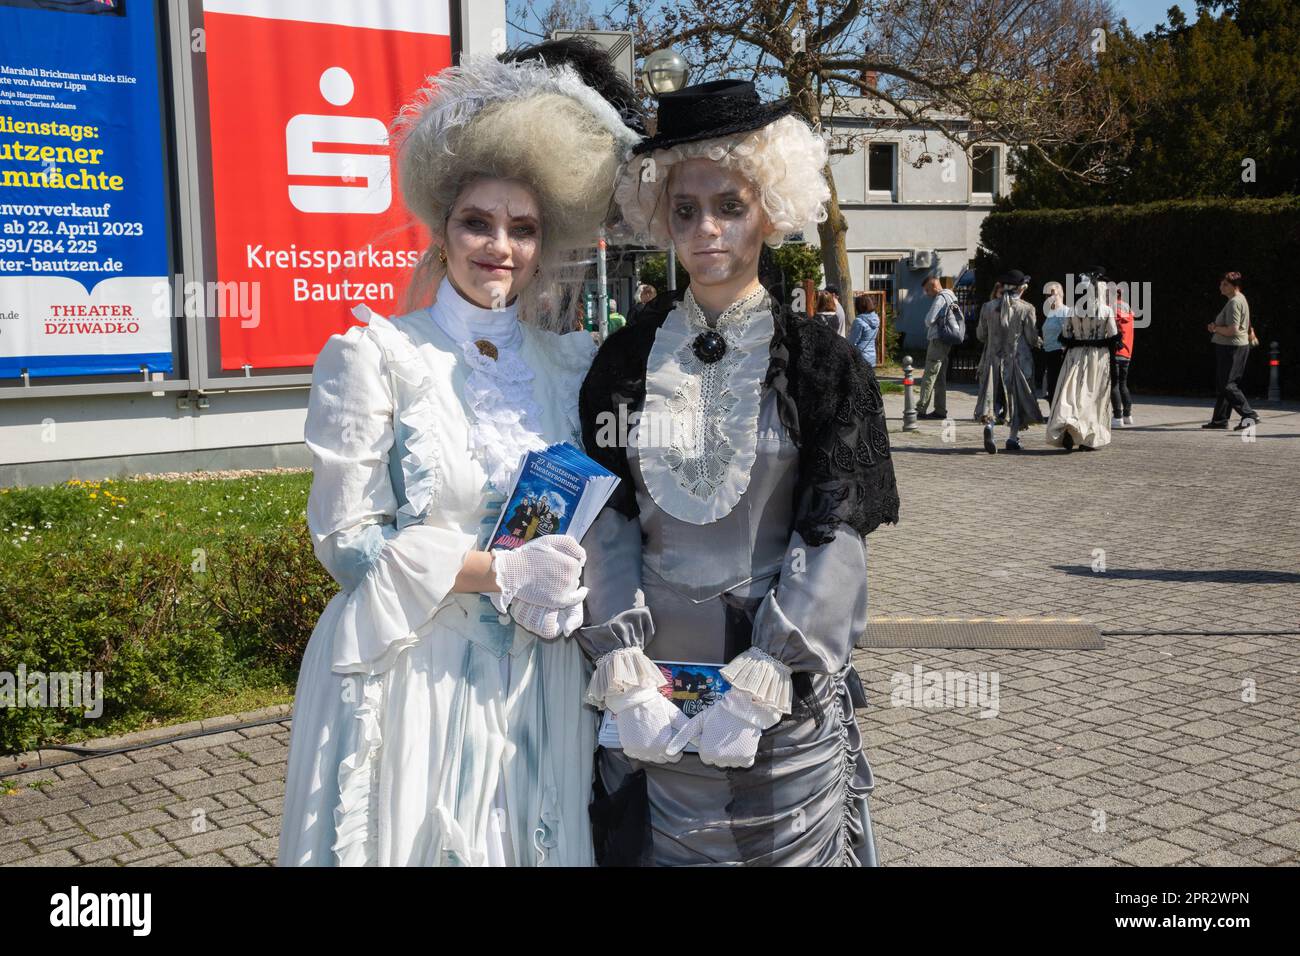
(187, 597)
(1181, 248)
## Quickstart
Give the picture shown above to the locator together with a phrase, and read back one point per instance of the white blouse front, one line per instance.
(401, 463)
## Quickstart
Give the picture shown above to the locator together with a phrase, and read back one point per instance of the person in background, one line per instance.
(839, 308)
(1055, 312)
(999, 395)
(1231, 335)
(866, 326)
(1121, 403)
(616, 320)
(1079, 407)
(934, 381)
(826, 313)
(644, 294)
(1005, 322)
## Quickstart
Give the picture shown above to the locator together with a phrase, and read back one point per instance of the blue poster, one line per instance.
(84, 260)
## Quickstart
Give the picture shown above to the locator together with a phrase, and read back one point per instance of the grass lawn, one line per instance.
(193, 596)
(149, 512)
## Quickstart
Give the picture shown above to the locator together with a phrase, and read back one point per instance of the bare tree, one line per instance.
(1014, 72)
(538, 24)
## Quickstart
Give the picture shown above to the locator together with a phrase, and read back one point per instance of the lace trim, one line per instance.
(621, 670)
(762, 676)
(710, 410)
(504, 420)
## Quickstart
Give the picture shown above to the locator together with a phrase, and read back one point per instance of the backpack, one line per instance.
(951, 324)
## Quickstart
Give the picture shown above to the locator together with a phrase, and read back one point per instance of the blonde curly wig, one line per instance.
(783, 160)
(527, 122)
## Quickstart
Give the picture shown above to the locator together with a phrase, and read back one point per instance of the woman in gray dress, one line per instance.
(757, 463)
(1007, 323)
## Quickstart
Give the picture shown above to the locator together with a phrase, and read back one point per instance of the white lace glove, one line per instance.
(646, 723)
(727, 733)
(546, 571)
(548, 622)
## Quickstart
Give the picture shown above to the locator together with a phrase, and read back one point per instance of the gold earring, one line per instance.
(442, 255)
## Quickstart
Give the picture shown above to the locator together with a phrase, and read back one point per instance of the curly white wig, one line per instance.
(525, 121)
(784, 160)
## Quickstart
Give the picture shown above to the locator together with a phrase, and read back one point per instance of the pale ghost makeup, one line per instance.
(493, 241)
(717, 225)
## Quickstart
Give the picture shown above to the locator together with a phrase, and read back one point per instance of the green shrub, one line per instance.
(175, 631)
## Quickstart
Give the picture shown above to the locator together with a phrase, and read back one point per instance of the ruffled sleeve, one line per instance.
(395, 567)
(619, 623)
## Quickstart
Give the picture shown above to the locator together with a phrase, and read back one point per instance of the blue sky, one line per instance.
(1142, 15)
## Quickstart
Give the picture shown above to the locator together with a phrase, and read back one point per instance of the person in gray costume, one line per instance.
(754, 458)
(1008, 329)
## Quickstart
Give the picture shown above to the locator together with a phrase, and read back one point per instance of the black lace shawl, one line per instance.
(827, 398)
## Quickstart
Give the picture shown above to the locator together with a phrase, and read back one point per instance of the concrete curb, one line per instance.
(37, 759)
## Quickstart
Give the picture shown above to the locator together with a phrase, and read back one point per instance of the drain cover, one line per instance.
(1019, 633)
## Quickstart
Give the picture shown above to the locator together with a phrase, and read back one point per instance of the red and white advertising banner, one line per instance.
(308, 217)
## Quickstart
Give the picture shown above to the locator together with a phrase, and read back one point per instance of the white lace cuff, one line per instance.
(622, 670)
(761, 675)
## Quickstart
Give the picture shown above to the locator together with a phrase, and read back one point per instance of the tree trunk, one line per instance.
(835, 258)
(832, 232)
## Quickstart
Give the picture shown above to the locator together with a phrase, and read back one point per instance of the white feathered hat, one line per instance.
(534, 116)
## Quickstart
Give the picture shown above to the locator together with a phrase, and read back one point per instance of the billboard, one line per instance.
(307, 218)
(84, 246)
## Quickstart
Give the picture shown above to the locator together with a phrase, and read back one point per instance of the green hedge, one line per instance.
(1181, 248)
(104, 577)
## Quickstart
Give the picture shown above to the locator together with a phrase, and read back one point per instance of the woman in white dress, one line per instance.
(439, 716)
(1081, 406)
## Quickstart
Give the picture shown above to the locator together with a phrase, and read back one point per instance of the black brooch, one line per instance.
(709, 346)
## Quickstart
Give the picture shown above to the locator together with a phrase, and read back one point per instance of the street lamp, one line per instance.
(666, 71)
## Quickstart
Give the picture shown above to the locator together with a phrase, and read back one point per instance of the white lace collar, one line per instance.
(505, 421)
(698, 430)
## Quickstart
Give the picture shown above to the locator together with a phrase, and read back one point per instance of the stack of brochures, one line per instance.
(558, 490)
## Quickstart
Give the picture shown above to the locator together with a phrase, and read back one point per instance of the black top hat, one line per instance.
(706, 110)
(1013, 278)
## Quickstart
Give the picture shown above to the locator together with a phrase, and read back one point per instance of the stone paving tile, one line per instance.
(1151, 751)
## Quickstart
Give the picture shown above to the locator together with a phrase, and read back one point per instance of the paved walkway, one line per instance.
(1163, 748)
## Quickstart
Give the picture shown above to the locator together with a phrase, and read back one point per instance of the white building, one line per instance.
(907, 222)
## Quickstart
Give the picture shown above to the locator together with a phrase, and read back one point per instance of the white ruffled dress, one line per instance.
(428, 729)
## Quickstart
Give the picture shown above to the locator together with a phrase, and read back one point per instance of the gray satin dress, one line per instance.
(1002, 373)
(804, 800)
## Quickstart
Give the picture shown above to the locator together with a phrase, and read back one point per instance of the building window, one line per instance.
(881, 161)
(881, 278)
(984, 171)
